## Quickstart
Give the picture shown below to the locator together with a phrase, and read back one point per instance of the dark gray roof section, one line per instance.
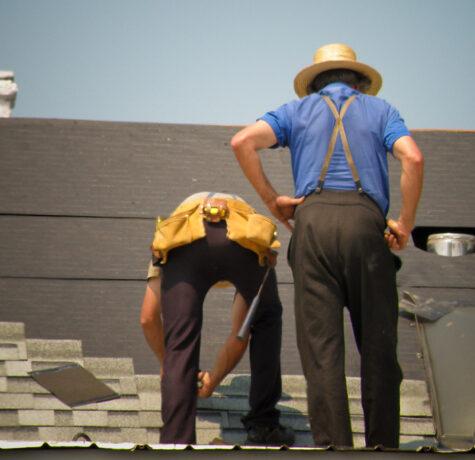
(77, 206)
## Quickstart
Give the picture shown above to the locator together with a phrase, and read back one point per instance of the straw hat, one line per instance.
(335, 56)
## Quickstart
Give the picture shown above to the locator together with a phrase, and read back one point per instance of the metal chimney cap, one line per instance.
(451, 244)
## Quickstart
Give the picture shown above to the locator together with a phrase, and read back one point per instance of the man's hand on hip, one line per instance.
(283, 208)
(398, 235)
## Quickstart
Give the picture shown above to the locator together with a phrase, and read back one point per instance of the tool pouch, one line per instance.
(261, 230)
(183, 227)
(244, 226)
(251, 230)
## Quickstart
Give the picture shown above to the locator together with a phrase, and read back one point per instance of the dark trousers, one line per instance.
(339, 258)
(187, 276)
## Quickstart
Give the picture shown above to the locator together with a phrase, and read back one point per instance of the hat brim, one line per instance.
(306, 75)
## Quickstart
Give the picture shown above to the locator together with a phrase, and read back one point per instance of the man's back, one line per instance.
(371, 124)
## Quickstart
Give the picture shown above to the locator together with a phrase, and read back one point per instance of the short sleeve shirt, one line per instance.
(372, 126)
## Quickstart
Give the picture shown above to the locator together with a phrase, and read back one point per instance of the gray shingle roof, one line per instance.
(29, 412)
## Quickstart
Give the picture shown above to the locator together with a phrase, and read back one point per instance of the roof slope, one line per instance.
(28, 412)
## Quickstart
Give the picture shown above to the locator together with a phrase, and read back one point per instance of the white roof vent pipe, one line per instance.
(8, 92)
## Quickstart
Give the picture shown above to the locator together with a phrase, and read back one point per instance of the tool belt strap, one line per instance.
(339, 128)
(244, 226)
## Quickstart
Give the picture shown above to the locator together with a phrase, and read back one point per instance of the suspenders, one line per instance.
(339, 128)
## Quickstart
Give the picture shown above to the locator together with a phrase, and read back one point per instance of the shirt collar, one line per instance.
(337, 87)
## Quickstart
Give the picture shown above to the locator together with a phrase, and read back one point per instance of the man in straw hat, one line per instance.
(339, 134)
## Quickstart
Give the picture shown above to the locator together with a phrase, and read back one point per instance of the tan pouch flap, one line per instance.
(172, 232)
(260, 230)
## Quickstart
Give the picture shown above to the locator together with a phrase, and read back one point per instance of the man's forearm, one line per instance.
(411, 188)
(227, 359)
(412, 174)
(412, 164)
(251, 165)
(246, 145)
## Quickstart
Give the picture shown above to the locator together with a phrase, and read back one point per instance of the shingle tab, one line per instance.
(62, 433)
(90, 418)
(47, 401)
(147, 383)
(108, 368)
(12, 332)
(135, 435)
(150, 401)
(57, 350)
(208, 420)
(17, 368)
(25, 433)
(16, 401)
(24, 385)
(8, 417)
(123, 419)
(206, 435)
(128, 386)
(63, 418)
(114, 435)
(150, 419)
(36, 417)
(11, 352)
(153, 436)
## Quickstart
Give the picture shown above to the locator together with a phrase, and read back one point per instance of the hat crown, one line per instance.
(332, 57)
(334, 52)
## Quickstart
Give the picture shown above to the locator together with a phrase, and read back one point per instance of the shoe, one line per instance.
(270, 435)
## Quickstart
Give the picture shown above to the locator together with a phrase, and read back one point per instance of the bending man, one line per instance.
(208, 239)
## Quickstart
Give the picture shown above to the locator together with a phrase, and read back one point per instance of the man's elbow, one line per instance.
(146, 322)
(408, 152)
(416, 160)
(239, 142)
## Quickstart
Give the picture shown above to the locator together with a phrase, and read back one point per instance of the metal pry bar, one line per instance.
(246, 325)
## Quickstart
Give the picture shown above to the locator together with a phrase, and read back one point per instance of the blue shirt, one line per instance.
(371, 125)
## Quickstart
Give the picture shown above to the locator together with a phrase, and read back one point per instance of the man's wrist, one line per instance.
(407, 222)
(270, 199)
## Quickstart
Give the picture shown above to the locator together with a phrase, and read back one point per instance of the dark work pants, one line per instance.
(339, 258)
(187, 276)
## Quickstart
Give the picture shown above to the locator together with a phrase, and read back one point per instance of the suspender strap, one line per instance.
(339, 128)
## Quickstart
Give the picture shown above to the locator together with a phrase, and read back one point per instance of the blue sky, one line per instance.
(228, 61)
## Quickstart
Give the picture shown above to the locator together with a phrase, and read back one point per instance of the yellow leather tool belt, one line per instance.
(251, 230)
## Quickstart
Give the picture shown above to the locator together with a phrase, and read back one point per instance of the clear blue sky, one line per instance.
(229, 61)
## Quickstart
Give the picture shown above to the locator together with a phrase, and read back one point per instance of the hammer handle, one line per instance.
(246, 325)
